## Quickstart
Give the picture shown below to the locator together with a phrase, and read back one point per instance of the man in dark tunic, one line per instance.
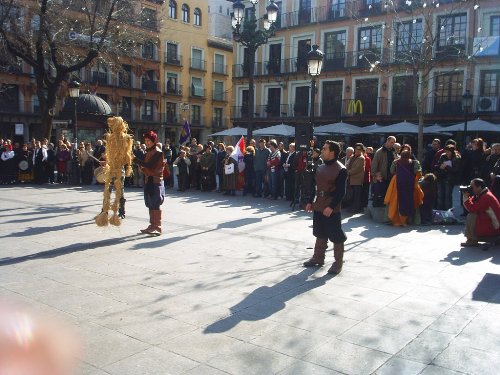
(154, 190)
(325, 201)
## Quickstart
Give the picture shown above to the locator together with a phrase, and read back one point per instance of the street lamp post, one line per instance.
(314, 65)
(74, 92)
(466, 105)
(252, 38)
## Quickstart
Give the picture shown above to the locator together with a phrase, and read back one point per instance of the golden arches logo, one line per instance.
(355, 106)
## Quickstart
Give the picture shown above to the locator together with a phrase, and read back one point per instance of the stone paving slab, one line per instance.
(222, 291)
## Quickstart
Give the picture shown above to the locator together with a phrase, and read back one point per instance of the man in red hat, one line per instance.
(154, 190)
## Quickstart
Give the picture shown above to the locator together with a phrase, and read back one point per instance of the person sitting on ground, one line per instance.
(483, 219)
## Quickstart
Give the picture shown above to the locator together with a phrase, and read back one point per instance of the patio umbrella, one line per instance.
(364, 129)
(435, 129)
(337, 128)
(280, 130)
(232, 132)
(477, 125)
(398, 128)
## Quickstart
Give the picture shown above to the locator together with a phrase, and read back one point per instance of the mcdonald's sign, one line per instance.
(355, 106)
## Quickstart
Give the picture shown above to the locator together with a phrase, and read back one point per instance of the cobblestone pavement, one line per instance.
(222, 291)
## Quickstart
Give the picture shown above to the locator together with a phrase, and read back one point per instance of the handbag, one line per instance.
(229, 169)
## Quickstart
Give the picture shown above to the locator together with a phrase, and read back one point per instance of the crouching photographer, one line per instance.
(483, 219)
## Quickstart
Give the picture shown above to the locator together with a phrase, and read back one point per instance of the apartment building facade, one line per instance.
(196, 71)
(177, 73)
(365, 78)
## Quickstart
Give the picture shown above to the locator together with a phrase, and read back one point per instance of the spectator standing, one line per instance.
(219, 165)
(429, 188)
(366, 181)
(289, 168)
(447, 171)
(138, 175)
(427, 165)
(404, 194)
(39, 161)
(207, 165)
(230, 172)
(260, 167)
(51, 163)
(273, 162)
(182, 163)
(383, 158)
(249, 172)
(356, 176)
(62, 158)
(281, 170)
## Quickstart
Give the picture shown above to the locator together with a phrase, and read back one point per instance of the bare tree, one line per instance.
(60, 37)
(419, 41)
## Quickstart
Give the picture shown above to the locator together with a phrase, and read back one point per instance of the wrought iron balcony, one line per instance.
(198, 64)
(150, 85)
(173, 59)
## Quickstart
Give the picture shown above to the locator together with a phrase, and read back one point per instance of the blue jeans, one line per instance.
(273, 184)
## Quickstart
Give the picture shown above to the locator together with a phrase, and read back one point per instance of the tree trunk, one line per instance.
(47, 106)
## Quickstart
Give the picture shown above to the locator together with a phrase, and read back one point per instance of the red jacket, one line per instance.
(368, 167)
(487, 208)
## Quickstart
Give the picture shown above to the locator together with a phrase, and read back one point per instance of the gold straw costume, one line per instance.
(118, 155)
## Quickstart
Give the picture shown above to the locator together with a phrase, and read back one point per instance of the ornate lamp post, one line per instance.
(247, 33)
(74, 92)
(466, 106)
(314, 65)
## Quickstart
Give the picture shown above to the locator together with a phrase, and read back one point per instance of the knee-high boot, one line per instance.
(148, 229)
(318, 258)
(156, 229)
(338, 252)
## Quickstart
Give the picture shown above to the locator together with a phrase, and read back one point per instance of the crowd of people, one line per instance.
(390, 176)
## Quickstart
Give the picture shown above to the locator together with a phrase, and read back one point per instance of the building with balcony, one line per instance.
(367, 71)
(132, 90)
(178, 72)
(196, 69)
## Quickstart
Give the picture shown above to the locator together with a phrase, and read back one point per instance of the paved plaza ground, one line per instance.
(223, 290)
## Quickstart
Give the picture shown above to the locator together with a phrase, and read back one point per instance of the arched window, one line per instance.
(172, 9)
(185, 13)
(197, 17)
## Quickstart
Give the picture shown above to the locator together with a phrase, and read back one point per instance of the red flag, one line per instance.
(238, 153)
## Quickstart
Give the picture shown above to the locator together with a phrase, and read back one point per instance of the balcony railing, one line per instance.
(220, 69)
(173, 60)
(152, 117)
(197, 92)
(173, 89)
(198, 121)
(198, 64)
(219, 96)
(170, 118)
(150, 86)
(218, 123)
(99, 78)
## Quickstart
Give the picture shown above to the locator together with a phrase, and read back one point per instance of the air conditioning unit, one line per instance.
(487, 104)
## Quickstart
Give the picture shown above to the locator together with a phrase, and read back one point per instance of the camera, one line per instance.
(466, 189)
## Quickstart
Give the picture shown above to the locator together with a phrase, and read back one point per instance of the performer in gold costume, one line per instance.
(117, 165)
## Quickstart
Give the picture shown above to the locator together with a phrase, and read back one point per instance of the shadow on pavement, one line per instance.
(73, 248)
(487, 290)
(288, 288)
(31, 231)
(472, 254)
(227, 225)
